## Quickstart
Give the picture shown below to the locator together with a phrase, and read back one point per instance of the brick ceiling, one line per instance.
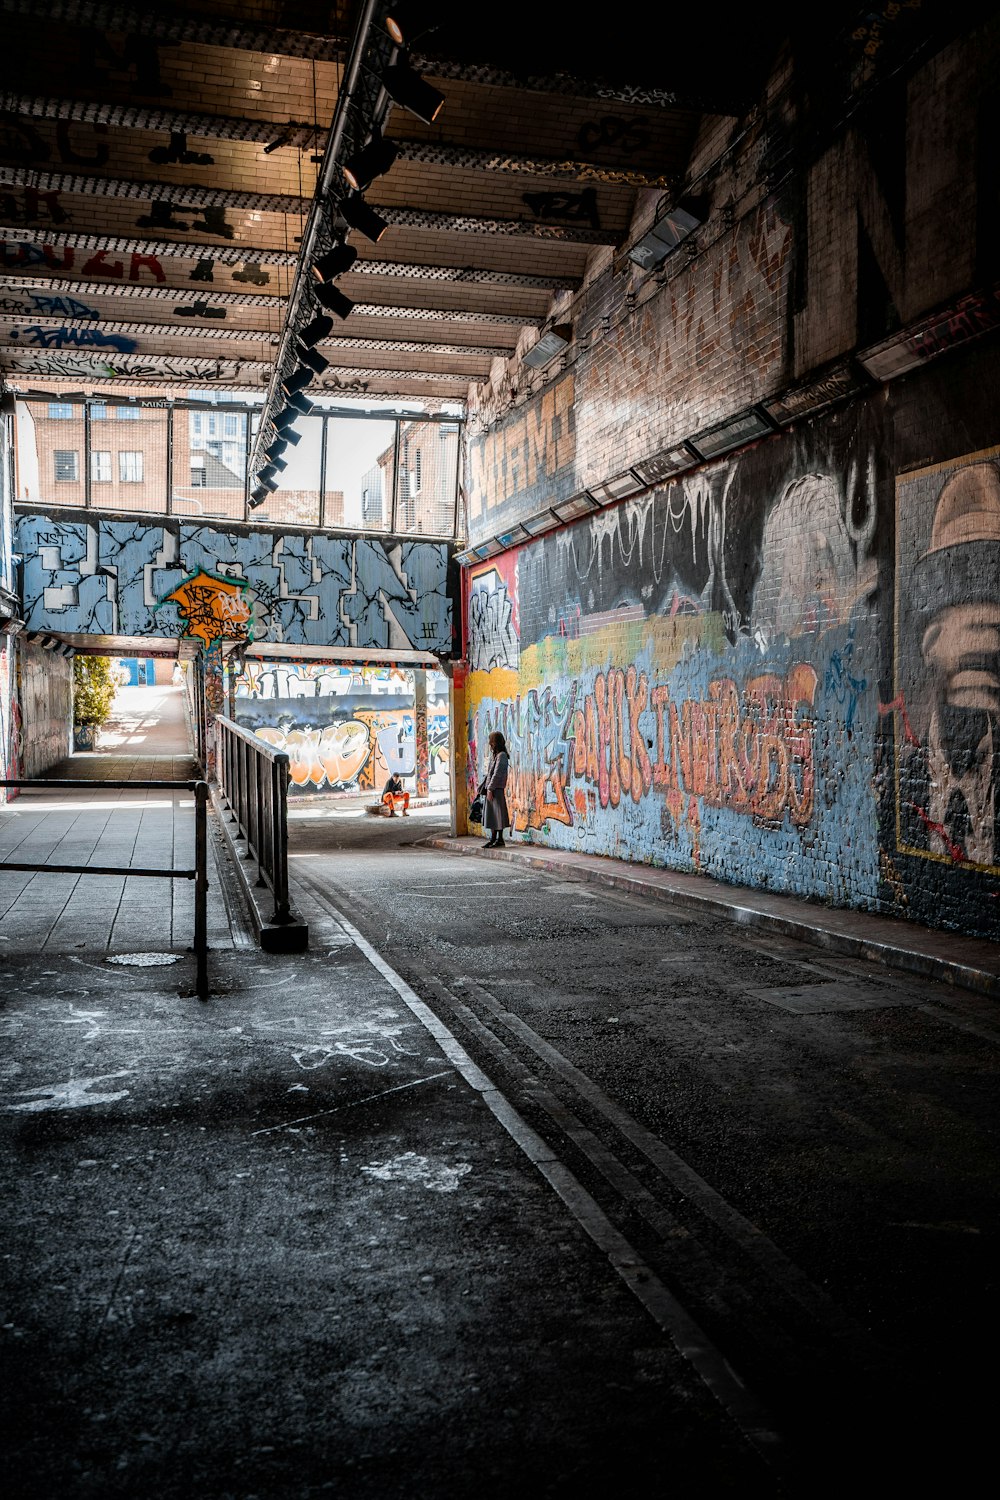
(159, 168)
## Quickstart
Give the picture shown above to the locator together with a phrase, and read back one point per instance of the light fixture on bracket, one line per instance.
(334, 262)
(544, 521)
(333, 299)
(406, 88)
(301, 403)
(726, 436)
(548, 346)
(298, 380)
(258, 496)
(577, 505)
(662, 465)
(315, 361)
(409, 19)
(316, 331)
(619, 488)
(362, 217)
(669, 230)
(281, 139)
(373, 160)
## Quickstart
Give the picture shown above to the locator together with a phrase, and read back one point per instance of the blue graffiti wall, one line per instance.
(109, 577)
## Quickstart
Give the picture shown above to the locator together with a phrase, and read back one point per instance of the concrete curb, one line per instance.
(273, 937)
(969, 963)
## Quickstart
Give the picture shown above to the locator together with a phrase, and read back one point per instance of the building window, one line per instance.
(128, 413)
(100, 467)
(98, 413)
(198, 478)
(365, 504)
(67, 464)
(232, 427)
(416, 470)
(60, 411)
(130, 467)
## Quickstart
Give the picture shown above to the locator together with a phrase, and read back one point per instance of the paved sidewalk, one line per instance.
(145, 828)
(970, 962)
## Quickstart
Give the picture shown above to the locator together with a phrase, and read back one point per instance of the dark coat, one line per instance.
(496, 816)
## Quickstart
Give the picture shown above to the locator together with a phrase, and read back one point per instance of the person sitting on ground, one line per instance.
(393, 795)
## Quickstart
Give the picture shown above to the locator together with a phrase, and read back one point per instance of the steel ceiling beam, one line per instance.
(300, 135)
(105, 15)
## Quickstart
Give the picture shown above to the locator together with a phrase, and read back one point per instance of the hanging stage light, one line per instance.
(301, 403)
(332, 297)
(266, 473)
(257, 497)
(297, 381)
(314, 333)
(276, 449)
(362, 167)
(315, 360)
(414, 93)
(361, 217)
(291, 436)
(334, 262)
(409, 19)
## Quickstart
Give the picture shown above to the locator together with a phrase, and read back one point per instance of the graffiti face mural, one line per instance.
(947, 706)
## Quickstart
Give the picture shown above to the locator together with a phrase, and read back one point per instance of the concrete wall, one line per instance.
(781, 668)
(134, 578)
(346, 729)
(45, 699)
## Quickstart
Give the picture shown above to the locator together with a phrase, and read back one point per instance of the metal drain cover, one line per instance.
(145, 960)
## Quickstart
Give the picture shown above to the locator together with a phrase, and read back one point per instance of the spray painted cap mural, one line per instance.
(962, 561)
(213, 609)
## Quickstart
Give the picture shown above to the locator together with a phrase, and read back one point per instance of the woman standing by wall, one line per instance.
(497, 816)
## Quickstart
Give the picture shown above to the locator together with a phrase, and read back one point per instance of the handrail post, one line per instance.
(201, 886)
(280, 837)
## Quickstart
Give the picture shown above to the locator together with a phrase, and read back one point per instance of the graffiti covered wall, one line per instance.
(781, 670)
(345, 728)
(678, 678)
(133, 578)
(45, 704)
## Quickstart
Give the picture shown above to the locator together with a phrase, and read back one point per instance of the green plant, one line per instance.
(94, 688)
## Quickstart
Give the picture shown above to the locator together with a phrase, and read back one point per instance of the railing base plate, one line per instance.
(273, 937)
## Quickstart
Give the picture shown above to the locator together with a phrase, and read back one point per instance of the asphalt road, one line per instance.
(509, 1186)
(799, 1150)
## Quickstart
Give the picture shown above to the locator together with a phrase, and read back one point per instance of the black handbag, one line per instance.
(476, 810)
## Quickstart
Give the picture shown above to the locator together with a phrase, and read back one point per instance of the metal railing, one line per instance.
(253, 779)
(199, 874)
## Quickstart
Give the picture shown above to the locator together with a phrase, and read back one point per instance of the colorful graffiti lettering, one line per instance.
(213, 609)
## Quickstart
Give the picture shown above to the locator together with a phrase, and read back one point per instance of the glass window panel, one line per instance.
(296, 500)
(138, 479)
(360, 457)
(66, 465)
(100, 466)
(98, 413)
(209, 473)
(428, 477)
(51, 480)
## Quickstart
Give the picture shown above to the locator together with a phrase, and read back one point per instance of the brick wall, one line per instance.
(781, 668)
